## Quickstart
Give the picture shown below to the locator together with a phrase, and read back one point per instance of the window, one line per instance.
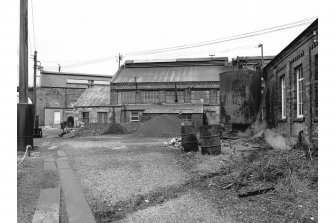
(126, 97)
(199, 97)
(186, 118)
(283, 97)
(85, 117)
(170, 96)
(300, 79)
(213, 97)
(150, 97)
(102, 117)
(134, 116)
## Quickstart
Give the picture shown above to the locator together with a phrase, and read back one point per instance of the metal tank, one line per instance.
(25, 125)
(240, 97)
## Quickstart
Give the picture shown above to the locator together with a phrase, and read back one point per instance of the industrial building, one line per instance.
(140, 90)
(292, 87)
(58, 91)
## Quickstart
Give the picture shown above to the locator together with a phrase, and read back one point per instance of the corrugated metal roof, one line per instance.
(94, 96)
(167, 109)
(169, 74)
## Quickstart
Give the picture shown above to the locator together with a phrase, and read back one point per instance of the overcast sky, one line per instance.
(75, 31)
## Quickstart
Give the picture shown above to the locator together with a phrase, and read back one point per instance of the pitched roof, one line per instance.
(312, 27)
(176, 70)
(94, 96)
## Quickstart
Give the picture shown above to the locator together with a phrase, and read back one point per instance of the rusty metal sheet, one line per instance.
(169, 74)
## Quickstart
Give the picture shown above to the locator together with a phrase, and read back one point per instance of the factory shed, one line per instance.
(179, 86)
(93, 105)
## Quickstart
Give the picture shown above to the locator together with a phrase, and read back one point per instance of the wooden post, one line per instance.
(23, 53)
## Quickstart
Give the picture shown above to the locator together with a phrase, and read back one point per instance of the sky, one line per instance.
(70, 32)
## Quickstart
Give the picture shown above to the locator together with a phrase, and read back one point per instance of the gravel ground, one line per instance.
(117, 170)
(29, 174)
(190, 207)
(129, 179)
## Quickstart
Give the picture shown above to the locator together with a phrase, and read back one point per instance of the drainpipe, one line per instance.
(310, 96)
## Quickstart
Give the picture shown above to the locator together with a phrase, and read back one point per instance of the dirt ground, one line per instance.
(130, 179)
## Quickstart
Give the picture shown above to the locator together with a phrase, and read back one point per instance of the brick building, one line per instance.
(188, 88)
(291, 105)
(58, 91)
(140, 90)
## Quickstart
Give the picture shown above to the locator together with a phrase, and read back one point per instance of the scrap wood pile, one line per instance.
(287, 172)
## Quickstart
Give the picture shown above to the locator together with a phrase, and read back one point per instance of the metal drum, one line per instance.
(189, 139)
(25, 125)
(210, 136)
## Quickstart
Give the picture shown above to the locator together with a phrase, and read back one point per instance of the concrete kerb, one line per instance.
(77, 208)
(47, 209)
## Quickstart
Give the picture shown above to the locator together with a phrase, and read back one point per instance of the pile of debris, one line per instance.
(174, 143)
(94, 129)
(264, 169)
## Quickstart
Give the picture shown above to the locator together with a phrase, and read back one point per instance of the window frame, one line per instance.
(85, 118)
(104, 115)
(186, 118)
(134, 116)
(300, 91)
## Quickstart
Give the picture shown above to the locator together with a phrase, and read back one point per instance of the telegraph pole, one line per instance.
(23, 53)
(261, 46)
(120, 58)
(35, 90)
(35, 68)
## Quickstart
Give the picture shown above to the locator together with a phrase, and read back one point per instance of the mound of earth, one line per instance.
(116, 128)
(160, 126)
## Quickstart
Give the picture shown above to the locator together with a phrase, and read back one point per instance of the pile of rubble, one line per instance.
(174, 143)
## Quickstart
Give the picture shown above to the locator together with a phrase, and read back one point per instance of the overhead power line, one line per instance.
(226, 39)
(195, 45)
(33, 21)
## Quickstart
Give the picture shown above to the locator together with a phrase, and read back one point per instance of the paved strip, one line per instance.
(63, 158)
(53, 147)
(62, 164)
(49, 159)
(50, 165)
(77, 208)
(47, 210)
(61, 153)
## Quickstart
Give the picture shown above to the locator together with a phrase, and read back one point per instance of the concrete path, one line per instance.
(77, 208)
(48, 206)
(47, 210)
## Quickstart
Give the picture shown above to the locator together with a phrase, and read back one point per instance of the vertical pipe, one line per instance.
(23, 52)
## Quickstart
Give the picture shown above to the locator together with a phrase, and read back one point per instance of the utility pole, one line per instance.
(34, 96)
(120, 58)
(35, 68)
(23, 52)
(261, 46)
